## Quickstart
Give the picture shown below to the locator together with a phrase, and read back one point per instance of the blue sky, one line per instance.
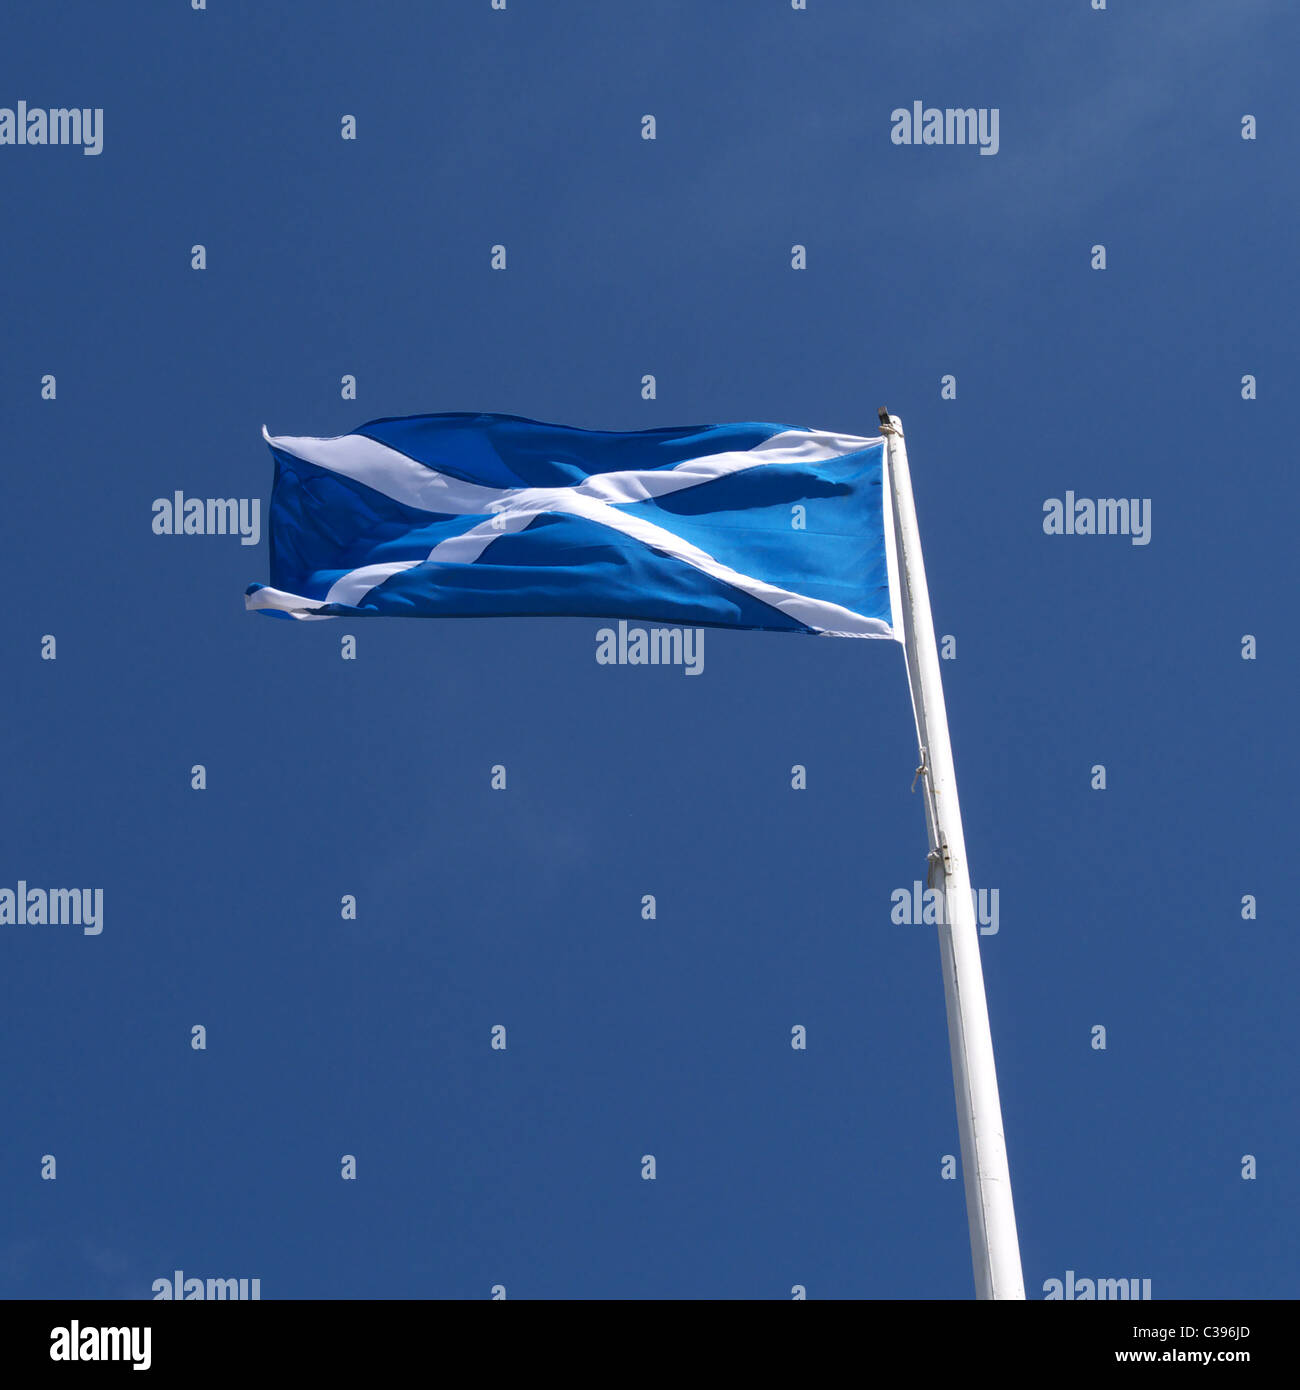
(370, 777)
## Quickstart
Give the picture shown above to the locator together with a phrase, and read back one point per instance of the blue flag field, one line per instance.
(478, 515)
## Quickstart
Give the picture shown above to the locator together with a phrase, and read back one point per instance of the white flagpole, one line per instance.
(995, 1249)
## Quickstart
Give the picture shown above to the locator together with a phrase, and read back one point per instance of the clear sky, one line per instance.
(629, 257)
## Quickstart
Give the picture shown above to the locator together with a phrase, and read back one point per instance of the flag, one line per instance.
(476, 515)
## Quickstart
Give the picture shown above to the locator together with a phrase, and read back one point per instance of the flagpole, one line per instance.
(995, 1249)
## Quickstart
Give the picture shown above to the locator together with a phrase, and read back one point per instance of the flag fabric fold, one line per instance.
(475, 515)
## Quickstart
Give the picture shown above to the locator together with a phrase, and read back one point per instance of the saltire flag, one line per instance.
(477, 515)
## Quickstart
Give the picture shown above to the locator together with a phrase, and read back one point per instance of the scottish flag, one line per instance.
(465, 515)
